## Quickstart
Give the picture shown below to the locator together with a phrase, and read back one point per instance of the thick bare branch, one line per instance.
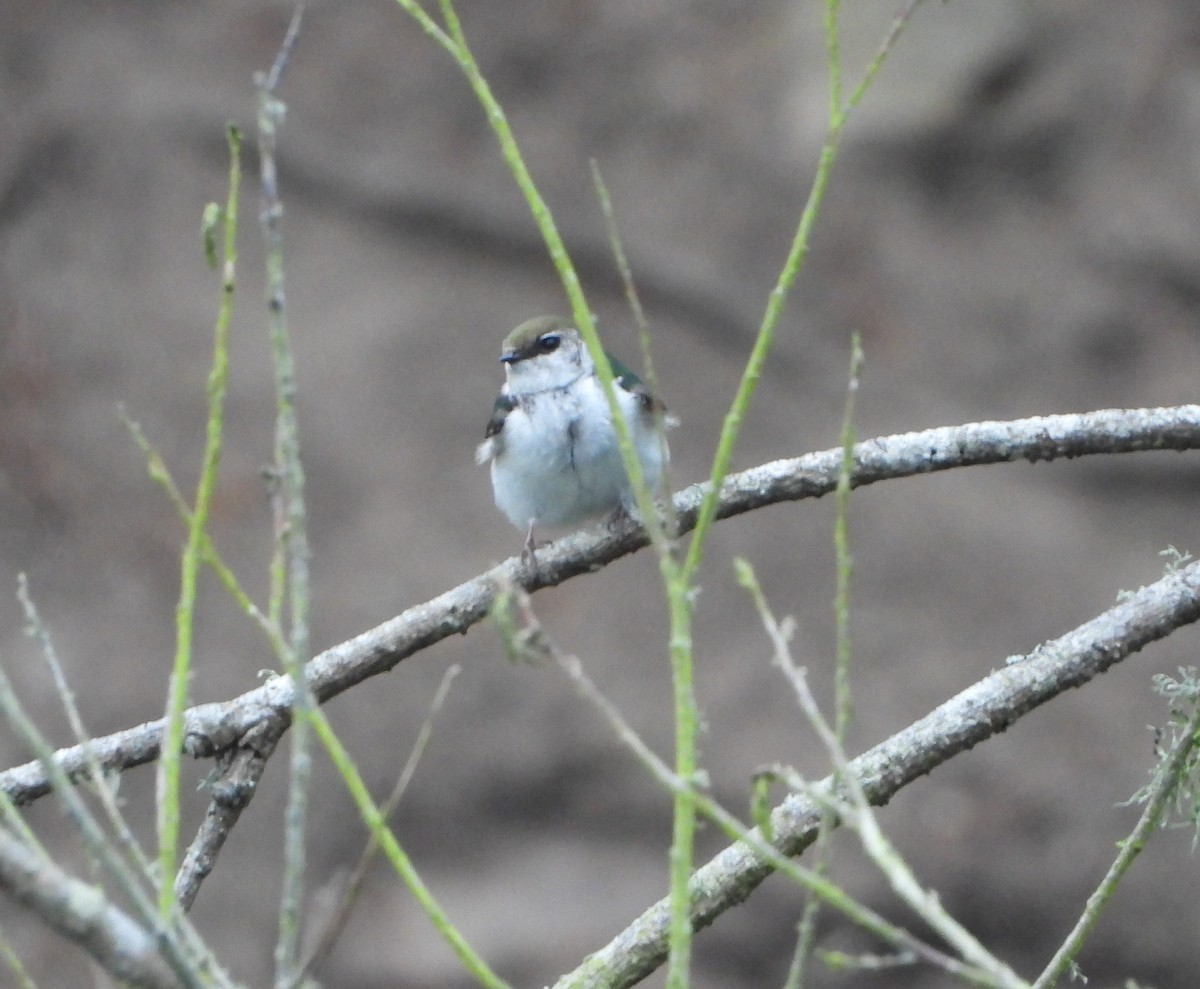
(973, 716)
(233, 787)
(85, 915)
(213, 728)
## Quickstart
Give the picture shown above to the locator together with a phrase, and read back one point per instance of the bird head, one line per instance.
(544, 353)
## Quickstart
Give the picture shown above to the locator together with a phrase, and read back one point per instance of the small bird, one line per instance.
(551, 442)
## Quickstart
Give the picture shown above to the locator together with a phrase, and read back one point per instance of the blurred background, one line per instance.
(1013, 227)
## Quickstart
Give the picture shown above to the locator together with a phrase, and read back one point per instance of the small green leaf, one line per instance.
(209, 222)
(745, 574)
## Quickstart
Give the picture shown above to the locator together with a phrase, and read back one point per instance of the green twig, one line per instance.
(841, 546)
(855, 811)
(13, 961)
(168, 767)
(591, 976)
(376, 823)
(161, 475)
(686, 768)
(164, 930)
(791, 267)
(349, 896)
(654, 526)
(807, 931)
(1161, 792)
(679, 604)
(452, 39)
(833, 61)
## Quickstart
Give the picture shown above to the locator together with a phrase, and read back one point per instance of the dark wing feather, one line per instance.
(503, 405)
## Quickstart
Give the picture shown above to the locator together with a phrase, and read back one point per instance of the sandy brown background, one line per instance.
(1014, 227)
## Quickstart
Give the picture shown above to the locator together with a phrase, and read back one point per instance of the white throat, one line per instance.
(554, 372)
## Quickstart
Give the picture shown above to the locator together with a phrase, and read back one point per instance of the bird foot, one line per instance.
(529, 550)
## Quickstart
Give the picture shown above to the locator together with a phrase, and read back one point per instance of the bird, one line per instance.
(551, 443)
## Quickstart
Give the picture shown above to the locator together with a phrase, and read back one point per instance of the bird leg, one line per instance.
(528, 556)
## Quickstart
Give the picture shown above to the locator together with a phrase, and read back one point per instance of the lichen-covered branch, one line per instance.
(213, 728)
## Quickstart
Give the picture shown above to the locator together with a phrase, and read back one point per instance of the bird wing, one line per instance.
(503, 405)
(631, 383)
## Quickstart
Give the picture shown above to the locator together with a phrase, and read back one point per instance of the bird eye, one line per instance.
(549, 342)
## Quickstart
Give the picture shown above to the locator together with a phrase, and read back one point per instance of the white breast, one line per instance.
(559, 463)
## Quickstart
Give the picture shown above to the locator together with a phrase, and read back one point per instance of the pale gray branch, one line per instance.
(973, 716)
(233, 786)
(213, 728)
(85, 915)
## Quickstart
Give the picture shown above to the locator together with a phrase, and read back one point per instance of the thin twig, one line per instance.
(978, 713)
(292, 538)
(841, 544)
(798, 251)
(1162, 790)
(658, 532)
(679, 604)
(103, 788)
(13, 961)
(452, 39)
(167, 793)
(185, 964)
(855, 812)
(807, 928)
(631, 962)
(161, 475)
(399, 860)
(353, 886)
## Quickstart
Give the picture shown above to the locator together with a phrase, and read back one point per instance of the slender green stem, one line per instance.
(798, 251)
(807, 929)
(841, 546)
(684, 818)
(1162, 791)
(830, 893)
(732, 425)
(452, 39)
(161, 475)
(679, 601)
(898, 24)
(833, 60)
(400, 862)
(168, 766)
(353, 886)
(23, 979)
(654, 526)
